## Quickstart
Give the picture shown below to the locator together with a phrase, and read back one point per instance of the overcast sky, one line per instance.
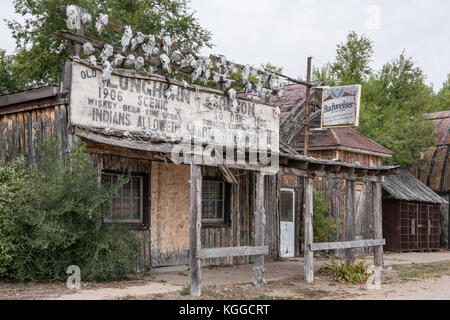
(286, 32)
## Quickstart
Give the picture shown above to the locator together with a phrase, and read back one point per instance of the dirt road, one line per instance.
(405, 276)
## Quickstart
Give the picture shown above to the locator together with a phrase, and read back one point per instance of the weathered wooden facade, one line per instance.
(433, 169)
(336, 144)
(205, 205)
(411, 214)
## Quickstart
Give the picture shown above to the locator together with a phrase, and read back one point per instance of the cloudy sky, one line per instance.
(286, 32)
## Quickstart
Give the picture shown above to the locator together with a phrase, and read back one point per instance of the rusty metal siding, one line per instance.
(411, 226)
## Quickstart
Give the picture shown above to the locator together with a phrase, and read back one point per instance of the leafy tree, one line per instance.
(393, 104)
(40, 52)
(324, 226)
(442, 101)
(393, 101)
(9, 79)
(325, 74)
(353, 58)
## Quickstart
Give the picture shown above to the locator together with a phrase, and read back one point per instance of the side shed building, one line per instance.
(411, 214)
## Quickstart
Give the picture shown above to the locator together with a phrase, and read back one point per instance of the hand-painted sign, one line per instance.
(138, 104)
(340, 106)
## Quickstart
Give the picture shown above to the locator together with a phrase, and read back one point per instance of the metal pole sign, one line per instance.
(340, 106)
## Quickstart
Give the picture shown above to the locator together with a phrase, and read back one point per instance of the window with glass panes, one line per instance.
(127, 204)
(213, 196)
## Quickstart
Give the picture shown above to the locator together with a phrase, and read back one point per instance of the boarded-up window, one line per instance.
(213, 197)
(287, 212)
(127, 204)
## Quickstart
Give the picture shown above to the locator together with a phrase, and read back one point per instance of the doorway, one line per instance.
(287, 223)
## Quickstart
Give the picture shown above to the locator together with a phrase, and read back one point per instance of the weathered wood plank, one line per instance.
(260, 224)
(195, 226)
(350, 220)
(232, 252)
(378, 224)
(308, 232)
(347, 244)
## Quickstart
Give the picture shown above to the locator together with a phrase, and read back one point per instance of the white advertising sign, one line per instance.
(340, 106)
(139, 105)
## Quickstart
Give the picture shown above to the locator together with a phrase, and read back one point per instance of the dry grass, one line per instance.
(422, 270)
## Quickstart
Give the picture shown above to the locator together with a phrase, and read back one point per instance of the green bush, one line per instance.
(345, 272)
(51, 217)
(324, 227)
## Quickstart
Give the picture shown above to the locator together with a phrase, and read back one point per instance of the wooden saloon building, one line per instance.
(207, 169)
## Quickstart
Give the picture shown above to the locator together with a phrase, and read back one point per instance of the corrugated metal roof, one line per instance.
(433, 170)
(404, 186)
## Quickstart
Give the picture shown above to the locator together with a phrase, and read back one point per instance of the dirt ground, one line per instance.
(405, 276)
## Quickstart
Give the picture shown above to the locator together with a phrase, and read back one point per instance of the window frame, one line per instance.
(144, 222)
(225, 221)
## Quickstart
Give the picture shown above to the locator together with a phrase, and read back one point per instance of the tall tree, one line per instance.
(40, 52)
(393, 101)
(442, 101)
(393, 106)
(353, 58)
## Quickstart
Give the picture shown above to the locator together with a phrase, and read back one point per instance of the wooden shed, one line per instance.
(411, 214)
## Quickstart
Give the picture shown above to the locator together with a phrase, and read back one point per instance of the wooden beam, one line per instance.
(347, 244)
(298, 164)
(350, 220)
(308, 232)
(316, 167)
(232, 252)
(378, 224)
(195, 226)
(260, 226)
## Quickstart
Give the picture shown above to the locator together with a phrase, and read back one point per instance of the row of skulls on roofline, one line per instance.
(201, 65)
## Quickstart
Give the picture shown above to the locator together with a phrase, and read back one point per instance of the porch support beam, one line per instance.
(350, 220)
(308, 232)
(378, 224)
(260, 225)
(195, 226)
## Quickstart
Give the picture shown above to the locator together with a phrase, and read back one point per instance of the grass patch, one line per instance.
(264, 297)
(422, 270)
(345, 272)
(313, 293)
(186, 290)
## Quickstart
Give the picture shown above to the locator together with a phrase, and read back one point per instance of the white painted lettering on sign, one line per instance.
(340, 106)
(139, 105)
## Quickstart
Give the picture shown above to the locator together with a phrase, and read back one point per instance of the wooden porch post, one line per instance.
(195, 226)
(260, 225)
(308, 231)
(378, 224)
(350, 219)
